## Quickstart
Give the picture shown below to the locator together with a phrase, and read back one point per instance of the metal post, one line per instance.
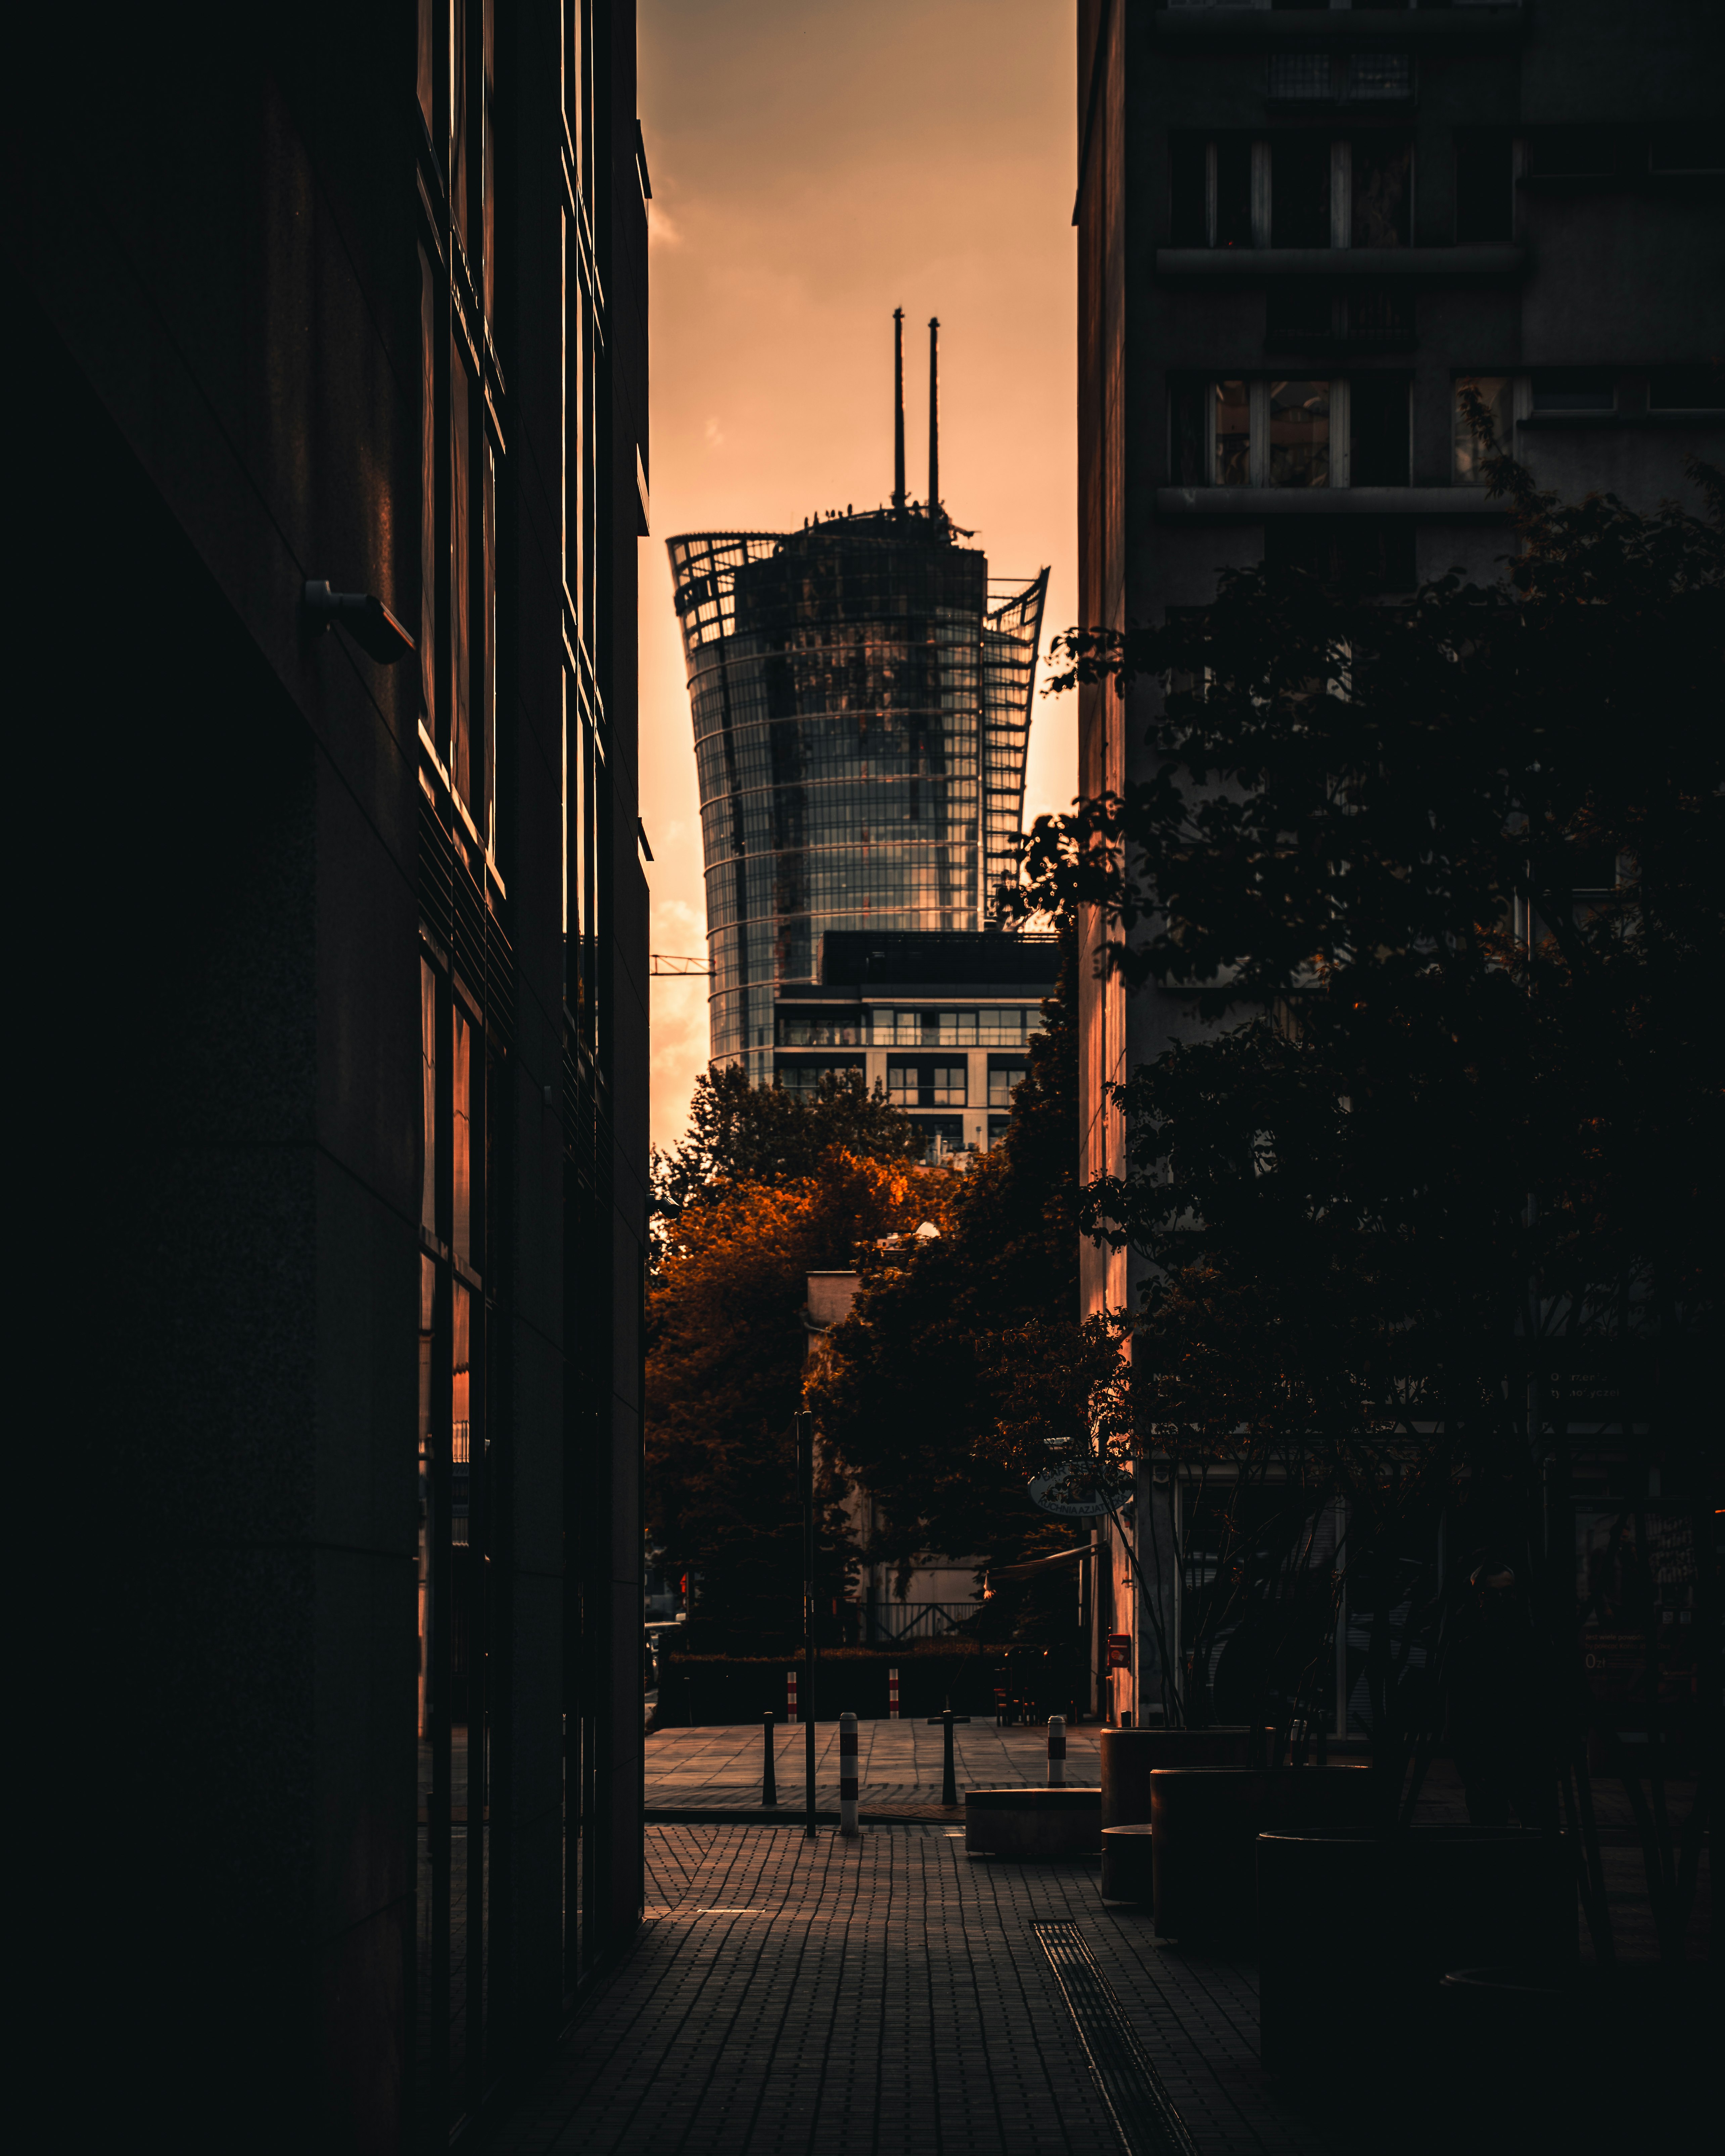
(790, 1693)
(1056, 1751)
(949, 1779)
(769, 1777)
(805, 1463)
(847, 1776)
(892, 1695)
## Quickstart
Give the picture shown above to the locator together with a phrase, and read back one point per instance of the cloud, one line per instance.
(661, 228)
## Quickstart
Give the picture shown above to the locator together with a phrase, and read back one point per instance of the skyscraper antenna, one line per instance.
(934, 413)
(898, 407)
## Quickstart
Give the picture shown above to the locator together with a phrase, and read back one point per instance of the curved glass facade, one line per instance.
(861, 703)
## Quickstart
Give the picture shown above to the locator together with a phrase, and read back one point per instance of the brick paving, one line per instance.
(880, 1995)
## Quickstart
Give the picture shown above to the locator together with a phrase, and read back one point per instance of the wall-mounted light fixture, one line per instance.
(366, 619)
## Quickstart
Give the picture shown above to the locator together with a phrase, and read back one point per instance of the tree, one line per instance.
(1437, 1173)
(962, 1355)
(726, 1355)
(743, 1133)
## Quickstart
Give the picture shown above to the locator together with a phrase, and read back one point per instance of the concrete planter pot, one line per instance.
(1129, 1756)
(1126, 1860)
(1033, 1823)
(1205, 1824)
(1358, 1929)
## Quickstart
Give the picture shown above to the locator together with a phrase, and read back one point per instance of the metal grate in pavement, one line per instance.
(1146, 2123)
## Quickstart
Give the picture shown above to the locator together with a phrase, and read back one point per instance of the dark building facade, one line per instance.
(347, 989)
(940, 1024)
(1302, 232)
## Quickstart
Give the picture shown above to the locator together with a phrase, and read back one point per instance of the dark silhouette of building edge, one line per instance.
(265, 281)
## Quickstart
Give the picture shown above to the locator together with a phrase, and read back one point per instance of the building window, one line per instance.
(942, 1137)
(1494, 392)
(1567, 391)
(1686, 389)
(804, 1078)
(1302, 190)
(1004, 1078)
(820, 1029)
(1687, 149)
(1485, 187)
(926, 1085)
(1379, 435)
(1290, 432)
(1297, 421)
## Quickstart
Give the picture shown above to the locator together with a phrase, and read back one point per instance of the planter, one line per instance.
(1207, 1822)
(1599, 2056)
(1204, 1826)
(1126, 1866)
(1129, 1756)
(1036, 1823)
(1358, 1929)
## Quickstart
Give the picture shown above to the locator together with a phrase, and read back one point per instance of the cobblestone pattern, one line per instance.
(883, 1995)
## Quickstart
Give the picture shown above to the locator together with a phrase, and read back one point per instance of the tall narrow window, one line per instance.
(429, 339)
(460, 743)
(1470, 453)
(1300, 191)
(460, 1415)
(1383, 190)
(461, 1140)
(1233, 199)
(425, 68)
(1189, 183)
(1299, 424)
(484, 804)
(428, 1065)
(1485, 188)
(1234, 434)
(1378, 411)
(458, 161)
(488, 162)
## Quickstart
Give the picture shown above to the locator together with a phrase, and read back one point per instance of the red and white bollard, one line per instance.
(847, 1776)
(790, 1685)
(1056, 1751)
(892, 1695)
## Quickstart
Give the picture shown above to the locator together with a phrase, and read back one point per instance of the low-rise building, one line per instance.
(941, 1023)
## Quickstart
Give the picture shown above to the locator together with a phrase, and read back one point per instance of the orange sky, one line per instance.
(814, 165)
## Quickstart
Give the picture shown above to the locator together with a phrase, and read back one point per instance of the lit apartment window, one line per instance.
(1494, 392)
(1291, 432)
(924, 1084)
(1003, 1080)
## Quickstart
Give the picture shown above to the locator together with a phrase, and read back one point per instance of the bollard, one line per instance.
(1000, 1707)
(892, 1695)
(769, 1776)
(847, 1776)
(790, 1685)
(1056, 1751)
(949, 1779)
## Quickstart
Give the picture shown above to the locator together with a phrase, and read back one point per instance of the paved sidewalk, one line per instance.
(898, 1763)
(883, 1995)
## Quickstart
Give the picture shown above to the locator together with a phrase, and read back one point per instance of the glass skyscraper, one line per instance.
(860, 692)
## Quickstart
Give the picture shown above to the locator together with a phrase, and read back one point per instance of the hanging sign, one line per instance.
(1082, 1489)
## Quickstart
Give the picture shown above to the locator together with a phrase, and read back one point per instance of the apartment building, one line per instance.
(1302, 231)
